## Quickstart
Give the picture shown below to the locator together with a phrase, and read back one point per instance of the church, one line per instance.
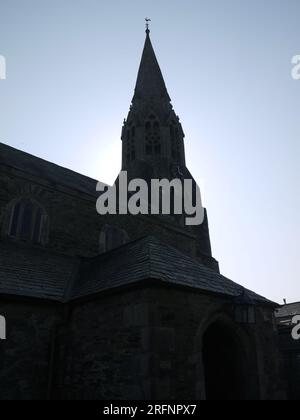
(123, 307)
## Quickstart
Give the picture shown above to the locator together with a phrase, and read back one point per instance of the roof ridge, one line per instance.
(109, 253)
(253, 294)
(48, 162)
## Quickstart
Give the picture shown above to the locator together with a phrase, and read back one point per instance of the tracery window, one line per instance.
(153, 136)
(130, 144)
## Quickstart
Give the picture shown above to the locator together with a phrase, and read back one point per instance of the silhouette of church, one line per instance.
(122, 306)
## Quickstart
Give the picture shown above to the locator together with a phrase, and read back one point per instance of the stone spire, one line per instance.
(150, 82)
(152, 136)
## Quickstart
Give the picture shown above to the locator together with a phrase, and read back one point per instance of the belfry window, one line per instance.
(130, 144)
(27, 222)
(153, 137)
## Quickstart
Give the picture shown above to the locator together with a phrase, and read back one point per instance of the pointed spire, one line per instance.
(150, 82)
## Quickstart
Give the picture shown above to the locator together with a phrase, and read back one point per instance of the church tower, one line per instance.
(153, 142)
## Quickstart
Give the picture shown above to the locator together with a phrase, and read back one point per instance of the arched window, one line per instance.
(153, 136)
(28, 222)
(112, 237)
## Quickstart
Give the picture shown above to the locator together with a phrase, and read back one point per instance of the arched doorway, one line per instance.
(224, 363)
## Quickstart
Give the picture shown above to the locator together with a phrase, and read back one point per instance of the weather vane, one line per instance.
(147, 23)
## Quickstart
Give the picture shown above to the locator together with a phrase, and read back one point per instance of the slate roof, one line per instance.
(33, 272)
(288, 311)
(37, 273)
(57, 175)
(149, 258)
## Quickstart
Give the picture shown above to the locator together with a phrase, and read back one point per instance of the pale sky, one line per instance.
(71, 71)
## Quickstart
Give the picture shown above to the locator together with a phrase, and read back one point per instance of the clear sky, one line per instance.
(71, 71)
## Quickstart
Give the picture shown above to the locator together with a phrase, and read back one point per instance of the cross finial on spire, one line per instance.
(147, 25)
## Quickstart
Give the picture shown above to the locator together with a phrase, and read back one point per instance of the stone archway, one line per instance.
(224, 362)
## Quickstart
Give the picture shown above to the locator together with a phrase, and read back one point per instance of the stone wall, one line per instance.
(74, 225)
(291, 352)
(25, 355)
(147, 344)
